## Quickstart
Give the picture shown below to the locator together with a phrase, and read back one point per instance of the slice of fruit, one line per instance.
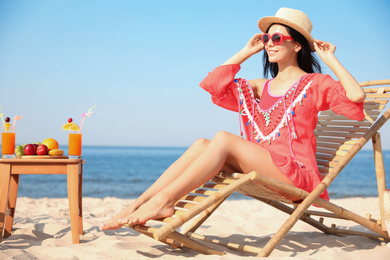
(50, 143)
(57, 152)
(71, 126)
(7, 126)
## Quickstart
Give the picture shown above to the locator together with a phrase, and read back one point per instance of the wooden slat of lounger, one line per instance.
(338, 129)
(203, 191)
(228, 175)
(372, 111)
(178, 212)
(327, 118)
(331, 140)
(185, 205)
(347, 123)
(325, 157)
(326, 150)
(322, 163)
(322, 160)
(191, 197)
(329, 158)
(372, 100)
(373, 106)
(357, 124)
(367, 85)
(348, 144)
(326, 163)
(218, 179)
(378, 95)
(215, 186)
(323, 121)
(209, 188)
(337, 158)
(334, 153)
(374, 103)
(323, 171)
(381, 103)
(338, 134)
(328, 145)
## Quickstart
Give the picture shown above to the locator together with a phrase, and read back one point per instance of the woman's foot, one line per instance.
(116, 221)
(154, 208)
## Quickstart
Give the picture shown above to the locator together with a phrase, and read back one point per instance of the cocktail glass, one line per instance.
(8, 145)
(74, 145)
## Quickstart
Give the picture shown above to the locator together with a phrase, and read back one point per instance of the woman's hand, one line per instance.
(255, 45)
(324, 49)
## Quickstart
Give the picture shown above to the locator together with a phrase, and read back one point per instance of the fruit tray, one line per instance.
(41, 157)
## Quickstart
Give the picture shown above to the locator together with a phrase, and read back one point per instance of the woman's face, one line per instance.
(284, 51)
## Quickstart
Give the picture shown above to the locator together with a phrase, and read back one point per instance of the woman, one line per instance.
(278, 117)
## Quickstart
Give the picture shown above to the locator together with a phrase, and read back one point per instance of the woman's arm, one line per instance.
(352, 88)
(253, 46)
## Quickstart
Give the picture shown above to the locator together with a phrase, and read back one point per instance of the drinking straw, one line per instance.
(15, 118)
(83, 115)
(2, 120)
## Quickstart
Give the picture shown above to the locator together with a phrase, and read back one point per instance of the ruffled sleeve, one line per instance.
(220, 84)
(331, 95)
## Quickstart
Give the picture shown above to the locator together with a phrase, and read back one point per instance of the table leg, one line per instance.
(81, 200)
(12, 196)
(73, 196)
(5, 176)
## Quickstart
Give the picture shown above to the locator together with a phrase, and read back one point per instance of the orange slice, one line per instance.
(7, 126)
(71, 126)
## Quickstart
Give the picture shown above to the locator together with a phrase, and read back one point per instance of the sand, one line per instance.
(42, 231)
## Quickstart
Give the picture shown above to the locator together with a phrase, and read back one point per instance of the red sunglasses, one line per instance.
(277, 38)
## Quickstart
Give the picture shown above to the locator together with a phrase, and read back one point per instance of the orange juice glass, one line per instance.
(8, 145)
(74, 149)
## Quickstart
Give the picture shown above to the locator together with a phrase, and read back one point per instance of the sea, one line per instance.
(125, 172)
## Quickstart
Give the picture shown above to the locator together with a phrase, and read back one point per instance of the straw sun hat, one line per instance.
(294, 18)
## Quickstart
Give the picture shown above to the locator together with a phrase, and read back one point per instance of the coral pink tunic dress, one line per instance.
(283, 124)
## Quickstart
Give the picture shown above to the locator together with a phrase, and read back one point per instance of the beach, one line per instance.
(42, 231)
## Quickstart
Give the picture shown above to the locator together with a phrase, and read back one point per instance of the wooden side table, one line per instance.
(10, 169)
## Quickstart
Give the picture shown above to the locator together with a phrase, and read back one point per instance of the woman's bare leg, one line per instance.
(224, 149)
(167, 177)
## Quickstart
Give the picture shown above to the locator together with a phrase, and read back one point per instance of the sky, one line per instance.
(140, 63)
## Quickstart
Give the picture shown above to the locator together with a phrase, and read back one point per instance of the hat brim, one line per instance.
(265, 22)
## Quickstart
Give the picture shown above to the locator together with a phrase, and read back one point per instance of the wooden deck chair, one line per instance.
(339, 139)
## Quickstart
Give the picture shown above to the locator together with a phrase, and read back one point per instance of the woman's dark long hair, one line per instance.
(306, 61)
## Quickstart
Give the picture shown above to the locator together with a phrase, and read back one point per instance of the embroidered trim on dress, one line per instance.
(286, 116)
